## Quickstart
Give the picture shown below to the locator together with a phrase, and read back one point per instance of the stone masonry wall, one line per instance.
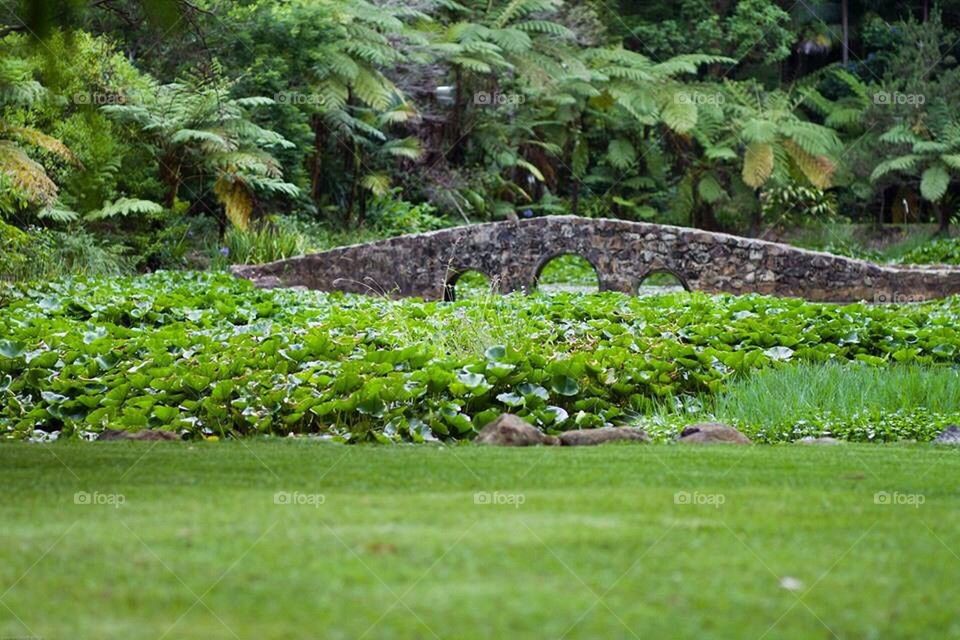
(623, 253)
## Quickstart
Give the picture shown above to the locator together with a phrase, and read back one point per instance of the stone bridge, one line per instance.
(512, 255)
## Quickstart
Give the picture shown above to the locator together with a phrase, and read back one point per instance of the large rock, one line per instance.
(823, 440)
(146, 434)
(950, 435)
(586, 437)
(513, 431)
(712, 433)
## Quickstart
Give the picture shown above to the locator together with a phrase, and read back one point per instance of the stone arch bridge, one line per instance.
(512, 254)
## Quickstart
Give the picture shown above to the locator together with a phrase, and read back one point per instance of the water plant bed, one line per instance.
(209, 355)
(288, 539)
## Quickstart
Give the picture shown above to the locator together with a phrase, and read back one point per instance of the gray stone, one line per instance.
(145, 434)
(826, 440)
(585, 437)
(950, 435)
(511, 255)
(712, 433)
(513, 431)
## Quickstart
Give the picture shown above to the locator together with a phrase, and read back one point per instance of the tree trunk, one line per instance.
(845, 17)
(756, 221)
(362, 208)
(702, 217)
(170, 176)
(316, 172)
(355, 186)
(943, 218)
(458, 111)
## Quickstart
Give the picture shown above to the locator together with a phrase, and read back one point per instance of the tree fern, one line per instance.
(777, 140)
(28, 178)
(930, 155)
(196, 122)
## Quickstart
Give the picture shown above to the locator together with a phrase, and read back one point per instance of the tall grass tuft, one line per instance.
(776, 396)
(851, 401)
(260, 244)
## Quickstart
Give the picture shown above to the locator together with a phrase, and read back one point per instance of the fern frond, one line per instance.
(905, 164)
(271, 186)
(531, 168)
(580, 158)
(26, 175)
(511, 40)
(710, 189)
(477, 66)
(333, 94)
(208, 138)
(758, 163)
(403, 112)
(817, 169)
(899, 134)
(42, 141)
(952, 160)
(57, 213)
(373, 89)
(519, 8)
(930, 146)
(934, 182)
(404, 148)
(254, 101)
(546, 27)
(621, 153)
(681, 116)
(123, 207)
(237, 201)
(758, 130)
(377, 183)
(812, 138)
(720, 152)
(844, 117)
(246, 162)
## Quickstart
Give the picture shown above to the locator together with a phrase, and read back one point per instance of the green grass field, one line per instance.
(648, 541)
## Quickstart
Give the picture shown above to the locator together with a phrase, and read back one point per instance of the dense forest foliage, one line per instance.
(163, 134)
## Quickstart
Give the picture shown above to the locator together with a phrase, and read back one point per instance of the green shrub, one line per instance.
(391, 216)
(797, 204)
(13, 256)
(43, 254)
(209, 353)
(937, 251)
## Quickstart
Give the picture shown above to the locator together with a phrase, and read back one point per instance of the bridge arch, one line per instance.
(454, 277)
(653, 272)
(549, 259)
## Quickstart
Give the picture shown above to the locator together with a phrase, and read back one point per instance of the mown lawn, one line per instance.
(389, 542)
